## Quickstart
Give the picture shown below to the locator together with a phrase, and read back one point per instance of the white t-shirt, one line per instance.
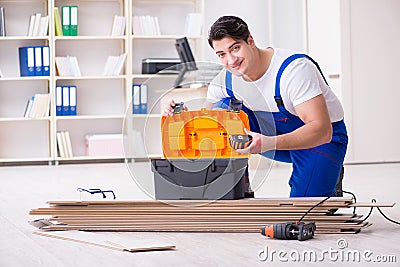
(300, 82)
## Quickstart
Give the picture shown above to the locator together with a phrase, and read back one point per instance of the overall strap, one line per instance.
(250, 114)
(286, 62)
(228, 84)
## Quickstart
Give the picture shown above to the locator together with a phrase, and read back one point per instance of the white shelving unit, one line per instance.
(102, 101)
(158, 46)
(21, 139)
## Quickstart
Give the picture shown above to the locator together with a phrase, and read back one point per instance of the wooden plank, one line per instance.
(370, 205)
(220, 229)
(113, 247)
(118, 211)
(276, 201)
(246, 215)
(201, 223)
(207, 217)
(204, 225)
(210, 210)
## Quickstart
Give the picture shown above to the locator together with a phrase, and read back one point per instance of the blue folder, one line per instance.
(59, 102)
(38, 61)
(136, 98)
(143, 99)
(27, 61)
(46, 60)
(72, 100)
(65, 101)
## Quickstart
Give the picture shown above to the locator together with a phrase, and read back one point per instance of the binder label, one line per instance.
(38, 61)
(72, 100)
(46, 60)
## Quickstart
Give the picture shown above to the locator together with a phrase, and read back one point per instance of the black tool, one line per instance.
(289, 231)
(235, 105)
(240, 141)
(178, 107)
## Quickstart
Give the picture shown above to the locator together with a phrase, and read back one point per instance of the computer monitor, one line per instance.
(186, 57)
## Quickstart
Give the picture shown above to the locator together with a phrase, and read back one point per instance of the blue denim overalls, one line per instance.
(315, 170)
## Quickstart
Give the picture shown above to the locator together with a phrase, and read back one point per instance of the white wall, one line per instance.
(362, 58)
(374, 62)
(278, 23)
(288, 24)
(254, 12)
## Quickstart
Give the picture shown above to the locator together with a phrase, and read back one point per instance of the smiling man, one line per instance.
(284, 91)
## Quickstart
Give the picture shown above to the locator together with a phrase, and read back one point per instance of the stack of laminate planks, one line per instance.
(245, 215)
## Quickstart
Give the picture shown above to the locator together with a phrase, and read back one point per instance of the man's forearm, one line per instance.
(310, 135)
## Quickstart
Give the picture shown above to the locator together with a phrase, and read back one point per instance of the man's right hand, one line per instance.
(169, 109)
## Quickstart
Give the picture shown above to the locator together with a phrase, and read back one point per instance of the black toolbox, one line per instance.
(219, 178)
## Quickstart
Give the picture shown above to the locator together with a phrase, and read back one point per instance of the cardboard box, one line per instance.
(100, 145)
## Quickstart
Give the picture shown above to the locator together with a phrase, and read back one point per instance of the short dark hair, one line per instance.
(228, 26)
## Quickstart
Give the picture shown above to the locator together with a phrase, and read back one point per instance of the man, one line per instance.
(310, 132)
(295, 117)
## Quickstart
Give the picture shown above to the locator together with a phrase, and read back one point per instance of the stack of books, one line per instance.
(193, 25)
(2, 22)
(57, 22)
(38, 106)
(114, 65)
(64, 144)
(146, 25)
(118, 27)
(68, 66)
(38, 25)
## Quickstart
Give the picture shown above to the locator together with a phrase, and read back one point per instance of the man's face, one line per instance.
(236, 56)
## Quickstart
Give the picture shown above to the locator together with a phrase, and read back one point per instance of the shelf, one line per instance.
(83, 158)
(89, 117)
(146, 116)
(97, 77)
(163, 1)
(167, 37)
(18, 38)
(21, 1)
(79, 38)
(149, 156)
(10, 160)
(26, 78)
(148, 76)
(72, 1)
(155, 156)
(24, 119)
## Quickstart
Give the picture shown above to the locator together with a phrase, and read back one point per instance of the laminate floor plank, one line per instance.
(26, 187)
